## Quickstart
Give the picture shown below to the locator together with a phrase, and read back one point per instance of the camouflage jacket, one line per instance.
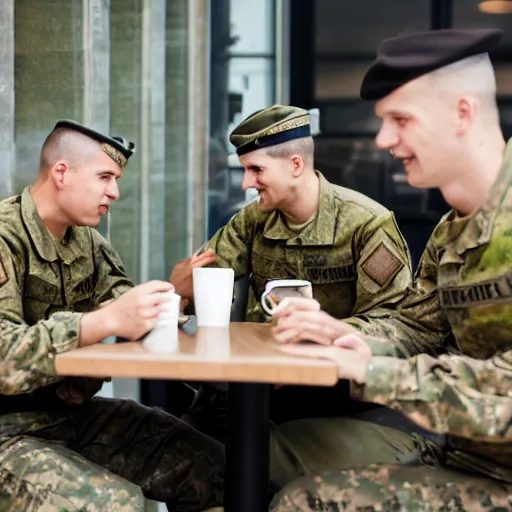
(463, 288)
(45, 287)
(352, 253)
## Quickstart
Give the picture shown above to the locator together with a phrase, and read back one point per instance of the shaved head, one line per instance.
(304, 147)
(473, 76)
(69, 145)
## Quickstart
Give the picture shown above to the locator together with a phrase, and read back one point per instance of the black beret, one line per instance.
(404, 58)
(269, 127)
(116, 147)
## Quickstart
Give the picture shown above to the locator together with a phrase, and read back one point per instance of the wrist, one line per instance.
(108, 321)
(360, 377)
(96, 326)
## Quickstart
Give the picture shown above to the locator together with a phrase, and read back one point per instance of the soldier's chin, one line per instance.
(93, 221)
(264, 206)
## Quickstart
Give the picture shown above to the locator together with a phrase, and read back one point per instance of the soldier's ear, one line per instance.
(58, 172)
(298, 165)
(466, 111)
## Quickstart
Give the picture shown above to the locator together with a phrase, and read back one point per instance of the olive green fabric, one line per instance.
(56, 456)
(352, 253)
(309, 446)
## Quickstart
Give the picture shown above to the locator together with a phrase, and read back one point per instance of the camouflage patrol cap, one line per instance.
(116, 147)
(404, 58)
(269, 127)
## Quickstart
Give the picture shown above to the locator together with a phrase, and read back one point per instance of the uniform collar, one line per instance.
(458, 235)
(68, 249)
(320, 231)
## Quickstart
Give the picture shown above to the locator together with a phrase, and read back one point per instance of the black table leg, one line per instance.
(247, 449)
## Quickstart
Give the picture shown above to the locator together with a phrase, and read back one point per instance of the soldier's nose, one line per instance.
(249, 181)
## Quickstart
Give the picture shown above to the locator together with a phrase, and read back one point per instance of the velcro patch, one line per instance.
(381, 265)
(3, 274)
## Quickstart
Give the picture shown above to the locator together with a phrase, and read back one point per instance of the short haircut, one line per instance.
(65, 144)
(304, 147)
(472, 76)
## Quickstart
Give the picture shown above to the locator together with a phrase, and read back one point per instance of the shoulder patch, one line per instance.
(381, 265)
(3, 274)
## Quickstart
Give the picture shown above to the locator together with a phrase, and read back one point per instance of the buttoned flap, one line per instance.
(40, 296)
(269, 263)
(43, 287)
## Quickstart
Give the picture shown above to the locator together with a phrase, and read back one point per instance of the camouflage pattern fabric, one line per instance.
(463, 286)
(60, 450)
(463, 290)
(106, 451)
(393, 489)
(40, 476)
(45, 287)
(313, 445)
(352, 253)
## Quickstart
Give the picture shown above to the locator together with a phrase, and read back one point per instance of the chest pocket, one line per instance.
(41, 295)
(81, 295)
(268, 266)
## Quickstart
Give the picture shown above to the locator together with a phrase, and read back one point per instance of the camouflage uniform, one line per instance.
(96, 455)
(464, 286)
(357, 261)
(352, 253)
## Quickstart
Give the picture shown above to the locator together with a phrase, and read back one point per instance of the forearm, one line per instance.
(27, 353)
(449, 394)
(389, 334)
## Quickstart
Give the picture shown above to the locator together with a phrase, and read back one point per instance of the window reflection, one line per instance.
(242, 81)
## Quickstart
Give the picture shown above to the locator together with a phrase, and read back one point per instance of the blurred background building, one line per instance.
(176, 76)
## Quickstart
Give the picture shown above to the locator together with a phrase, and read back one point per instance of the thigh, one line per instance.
(168, 459)
(393, 488)
(314, 445)
(47, 476)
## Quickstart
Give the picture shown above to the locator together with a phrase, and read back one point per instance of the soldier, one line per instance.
(303, 227)
(62, 286)
(435, 93)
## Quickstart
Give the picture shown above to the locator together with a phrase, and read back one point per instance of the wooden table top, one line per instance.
(244, 352)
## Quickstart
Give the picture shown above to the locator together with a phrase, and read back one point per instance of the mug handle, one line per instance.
(268, 305)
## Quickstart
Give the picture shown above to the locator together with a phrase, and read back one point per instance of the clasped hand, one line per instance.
(297, 320)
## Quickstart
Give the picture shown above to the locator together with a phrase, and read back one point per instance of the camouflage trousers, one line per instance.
(312, 445)
(394, 489)
(100, 457)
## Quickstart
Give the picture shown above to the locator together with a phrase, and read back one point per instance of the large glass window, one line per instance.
(347, 36)
(467, 15)
(242, 80)
(122, 67)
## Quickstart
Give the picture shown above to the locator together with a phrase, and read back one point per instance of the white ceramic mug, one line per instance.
(278, 289)
(213, 296)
